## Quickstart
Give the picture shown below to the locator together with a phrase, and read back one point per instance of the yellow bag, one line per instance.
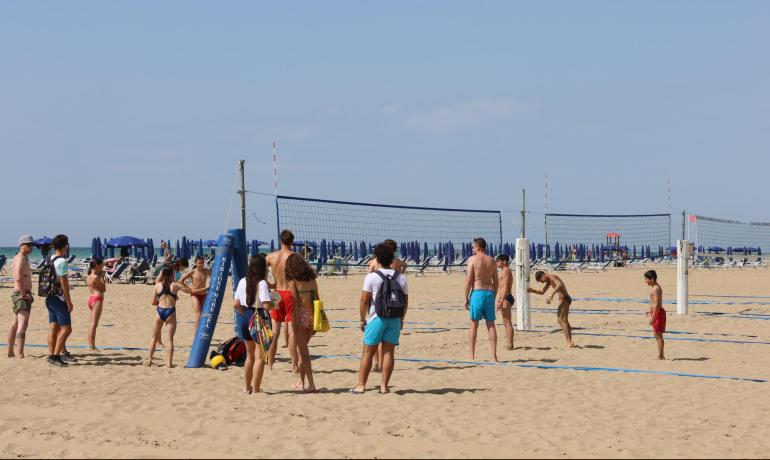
(320, 321)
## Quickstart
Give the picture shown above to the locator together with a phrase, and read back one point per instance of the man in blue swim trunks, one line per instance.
(480, 291)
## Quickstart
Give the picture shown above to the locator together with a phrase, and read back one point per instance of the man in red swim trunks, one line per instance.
(656, 314)
(285, 311)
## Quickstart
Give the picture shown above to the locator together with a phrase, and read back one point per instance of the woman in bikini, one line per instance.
(252, 292)
(97, 287)
(200, 276)
(164, 299)
(304, 288)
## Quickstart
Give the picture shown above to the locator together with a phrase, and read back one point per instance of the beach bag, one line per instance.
(320, 320)
(49, 284)
(234, 351)
(391, 299)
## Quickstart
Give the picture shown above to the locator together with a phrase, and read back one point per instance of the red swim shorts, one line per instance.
(659, 324)
(285, 309)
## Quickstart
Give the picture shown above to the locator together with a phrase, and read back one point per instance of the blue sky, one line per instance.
(129, 117)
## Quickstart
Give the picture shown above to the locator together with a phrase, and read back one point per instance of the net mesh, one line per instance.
(315, 220)
(650, 230)
(722, 233)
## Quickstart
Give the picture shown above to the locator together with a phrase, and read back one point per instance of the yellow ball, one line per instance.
(217, 361)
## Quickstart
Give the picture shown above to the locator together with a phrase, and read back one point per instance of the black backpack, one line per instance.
(391, 299)
(49, 284)
(234, 351)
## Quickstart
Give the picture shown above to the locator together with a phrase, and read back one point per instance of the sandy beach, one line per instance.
(109, 405)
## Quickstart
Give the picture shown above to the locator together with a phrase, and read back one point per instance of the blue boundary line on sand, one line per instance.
(480, 364)
(682, 339)
(667, 302)
(556, 367)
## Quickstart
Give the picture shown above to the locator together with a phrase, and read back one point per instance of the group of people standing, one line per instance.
(489, 285)
(54, 288)
(383, 306)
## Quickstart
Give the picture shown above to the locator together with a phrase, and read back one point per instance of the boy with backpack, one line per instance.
(384, 303)
(54, 286)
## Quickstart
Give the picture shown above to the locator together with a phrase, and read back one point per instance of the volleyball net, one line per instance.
(712, 234)
(315, 220)
(638, 233)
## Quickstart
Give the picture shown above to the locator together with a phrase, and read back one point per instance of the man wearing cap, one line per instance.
(21, 298)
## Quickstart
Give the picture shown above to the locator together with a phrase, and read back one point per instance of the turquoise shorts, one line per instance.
(382, 330)
(482, 305)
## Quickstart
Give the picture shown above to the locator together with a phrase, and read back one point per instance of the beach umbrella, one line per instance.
(200, 247)
(362, 249)
(272, 245)
(342, 249)
(356, 252)
(324, 252)
(759, 251)
(100, 248)
(125, 241)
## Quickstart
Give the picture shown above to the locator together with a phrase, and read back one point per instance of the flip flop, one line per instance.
(353, 391)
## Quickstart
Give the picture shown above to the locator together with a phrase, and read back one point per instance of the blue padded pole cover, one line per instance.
(213, 304)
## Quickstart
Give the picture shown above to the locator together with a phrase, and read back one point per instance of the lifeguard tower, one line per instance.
(615, 251)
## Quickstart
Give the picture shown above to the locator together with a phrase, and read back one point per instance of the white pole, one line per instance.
(684, 249)
(523, 320)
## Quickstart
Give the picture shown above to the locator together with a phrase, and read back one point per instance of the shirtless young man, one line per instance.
(480, 289)
(553, 281)
(398, 264)
(200, 286)
(285, 311)
(165, 253)
(656, 314)
(21, 297)
(505, 298)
